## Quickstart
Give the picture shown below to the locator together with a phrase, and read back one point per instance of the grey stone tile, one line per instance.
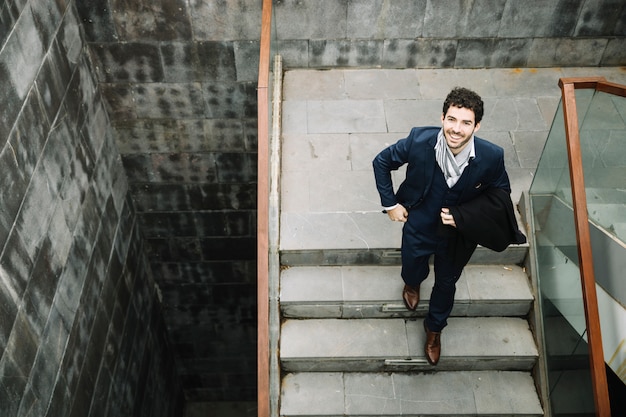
(362, 283)
(128, 62)
(435, 84)
(527, 82)
(159, 21)
(301, 393)
(479, 81)
(365, 146)
(294, 116)
(536, 18)
(548, 107)
(582, 52)
(174, 100)
(345, 116)
(435, 394)
(371, 394)
(317, 20)
(345, 52)
(375, 84)
(247, 60)
(481, 16)
(338, 230)
(316, 152)
(446, 19)
(502, 282)
(500, 115)
(225, 21)
(503, 393)
(179, 61)
(343, 191)
(492, 53)
(294, 52)
(529, 115)
(340, 338)
(602, 19)
(294, 192)
(403, 115)
(615, 53)
(366, 19)
(314, 85)
(311, 284)
(529, 147)
(419, 53)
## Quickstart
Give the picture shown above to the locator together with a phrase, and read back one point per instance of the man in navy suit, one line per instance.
(446, 167)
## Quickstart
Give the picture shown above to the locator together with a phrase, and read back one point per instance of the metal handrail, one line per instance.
(263, 350)
(581, 221)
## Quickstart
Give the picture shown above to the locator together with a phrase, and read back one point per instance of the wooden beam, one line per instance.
(263, 354)
(581, 220)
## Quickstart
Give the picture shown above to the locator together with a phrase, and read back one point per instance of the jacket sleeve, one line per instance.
(390, 159)
(501, 179)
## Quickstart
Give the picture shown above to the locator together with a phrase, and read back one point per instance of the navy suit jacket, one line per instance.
(417, 151)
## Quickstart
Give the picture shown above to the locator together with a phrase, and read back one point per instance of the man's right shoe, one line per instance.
(411, 296)
(432, 347)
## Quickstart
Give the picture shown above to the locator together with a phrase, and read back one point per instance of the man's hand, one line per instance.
(446, 217)
(398, 214)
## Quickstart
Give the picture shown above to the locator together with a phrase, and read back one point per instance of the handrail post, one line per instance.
(263, 355)
(581, 220)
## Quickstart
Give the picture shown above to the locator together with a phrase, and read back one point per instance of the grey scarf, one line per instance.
(452, 166)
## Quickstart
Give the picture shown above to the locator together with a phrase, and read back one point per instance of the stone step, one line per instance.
(466, 393)
(384, 345)
(361, 238)
(375, 291)
(514, 254)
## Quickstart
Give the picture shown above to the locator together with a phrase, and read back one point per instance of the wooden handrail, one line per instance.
(263, 354)
(581, 220)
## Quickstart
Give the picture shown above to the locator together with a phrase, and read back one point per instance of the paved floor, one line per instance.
(335, 121)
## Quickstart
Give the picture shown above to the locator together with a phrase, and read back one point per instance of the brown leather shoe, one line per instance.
(411, 296)
(432, 348)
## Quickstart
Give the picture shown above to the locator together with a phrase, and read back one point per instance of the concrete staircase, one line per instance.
(349, 347)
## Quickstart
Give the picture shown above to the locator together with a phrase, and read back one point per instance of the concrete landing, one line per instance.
(335, 121)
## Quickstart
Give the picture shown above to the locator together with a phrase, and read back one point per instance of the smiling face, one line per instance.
(458, 127)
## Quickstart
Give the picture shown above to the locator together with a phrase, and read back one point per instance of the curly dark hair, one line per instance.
(464, 98)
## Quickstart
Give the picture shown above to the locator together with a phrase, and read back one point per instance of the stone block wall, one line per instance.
(81, 327)
(449, 33)
(179, 80)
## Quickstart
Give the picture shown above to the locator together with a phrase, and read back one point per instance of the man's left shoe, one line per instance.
(432, 348)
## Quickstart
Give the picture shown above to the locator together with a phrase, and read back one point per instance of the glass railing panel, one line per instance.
(602, 138)
(558, 275)
(562, 308)
(602, 129)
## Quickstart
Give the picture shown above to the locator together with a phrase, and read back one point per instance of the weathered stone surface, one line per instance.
(128, 62)
(64, 197)
(161, 20)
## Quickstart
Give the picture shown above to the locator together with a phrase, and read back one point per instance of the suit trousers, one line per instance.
(415, 269)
